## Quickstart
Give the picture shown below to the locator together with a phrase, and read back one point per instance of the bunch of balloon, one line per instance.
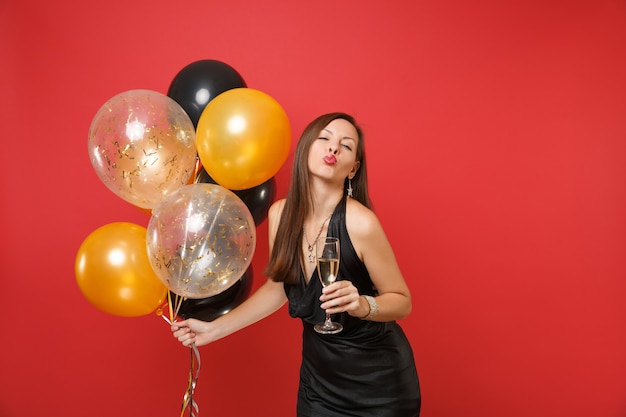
(114, 274)
(258, 199)
(243, 138)
(142, 146)
(200, 82)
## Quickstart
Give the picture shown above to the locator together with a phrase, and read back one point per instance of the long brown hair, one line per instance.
(283, 265)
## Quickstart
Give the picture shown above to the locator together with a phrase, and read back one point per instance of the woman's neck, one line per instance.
(324, 203)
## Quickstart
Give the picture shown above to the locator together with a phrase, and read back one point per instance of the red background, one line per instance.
(497, 141)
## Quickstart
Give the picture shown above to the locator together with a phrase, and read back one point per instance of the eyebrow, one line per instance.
(331, 132)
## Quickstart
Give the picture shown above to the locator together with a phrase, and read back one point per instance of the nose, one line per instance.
(333, 149)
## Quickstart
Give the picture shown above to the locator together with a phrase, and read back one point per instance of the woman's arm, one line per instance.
(266, 300)
(373, 247)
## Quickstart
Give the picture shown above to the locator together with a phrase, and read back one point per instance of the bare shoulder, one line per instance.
(273, 217)
(355, 211)
(276, 209)
(362, 222)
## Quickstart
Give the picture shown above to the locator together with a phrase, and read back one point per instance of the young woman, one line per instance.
(367, 369)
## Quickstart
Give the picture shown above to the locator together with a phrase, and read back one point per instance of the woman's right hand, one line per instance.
(192, 331)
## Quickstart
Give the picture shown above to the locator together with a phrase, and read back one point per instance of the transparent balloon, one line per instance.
(201, 240)
(142, 146)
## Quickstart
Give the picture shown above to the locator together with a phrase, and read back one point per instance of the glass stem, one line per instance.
(328, 323)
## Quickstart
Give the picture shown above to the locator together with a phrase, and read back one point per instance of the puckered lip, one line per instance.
(330, 159)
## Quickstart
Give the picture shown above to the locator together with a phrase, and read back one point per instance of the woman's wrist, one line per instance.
(373, 308)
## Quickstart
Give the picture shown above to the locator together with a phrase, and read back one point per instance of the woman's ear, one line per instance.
(355, 168)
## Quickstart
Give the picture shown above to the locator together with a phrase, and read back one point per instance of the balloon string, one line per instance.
(173, 307)
(169, 306)
(179, 303)
(194, 373)
(196, 170)
(194, 368)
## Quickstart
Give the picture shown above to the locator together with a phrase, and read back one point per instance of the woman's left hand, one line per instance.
(341, 296)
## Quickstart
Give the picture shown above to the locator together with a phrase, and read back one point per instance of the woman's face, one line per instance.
(333, 153)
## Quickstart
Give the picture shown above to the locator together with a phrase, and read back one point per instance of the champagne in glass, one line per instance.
(328, 270)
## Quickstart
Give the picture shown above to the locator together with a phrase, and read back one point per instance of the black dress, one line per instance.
(365, 370)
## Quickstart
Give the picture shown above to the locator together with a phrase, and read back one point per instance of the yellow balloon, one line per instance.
(114, 273)
(243, 138)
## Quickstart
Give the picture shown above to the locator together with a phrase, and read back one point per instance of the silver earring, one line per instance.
(349, 187)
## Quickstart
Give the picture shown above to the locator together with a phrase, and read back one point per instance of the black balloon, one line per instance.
(200, 82)
(208, 309)
(258, 199)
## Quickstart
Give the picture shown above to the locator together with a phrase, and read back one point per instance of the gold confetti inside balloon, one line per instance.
(201, 240)
(142, 146)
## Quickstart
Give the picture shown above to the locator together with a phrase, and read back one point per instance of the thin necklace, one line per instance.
(310, 246)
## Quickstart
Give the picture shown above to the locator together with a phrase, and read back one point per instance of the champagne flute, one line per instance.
(327, 250)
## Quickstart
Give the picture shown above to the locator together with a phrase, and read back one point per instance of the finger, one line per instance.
(334, 286)
(182, 332)
(333, 304)
(336, 293)
(186, 337)
(340, 304)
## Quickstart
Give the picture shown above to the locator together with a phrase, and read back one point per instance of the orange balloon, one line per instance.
(114, 273)
(243, 138)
